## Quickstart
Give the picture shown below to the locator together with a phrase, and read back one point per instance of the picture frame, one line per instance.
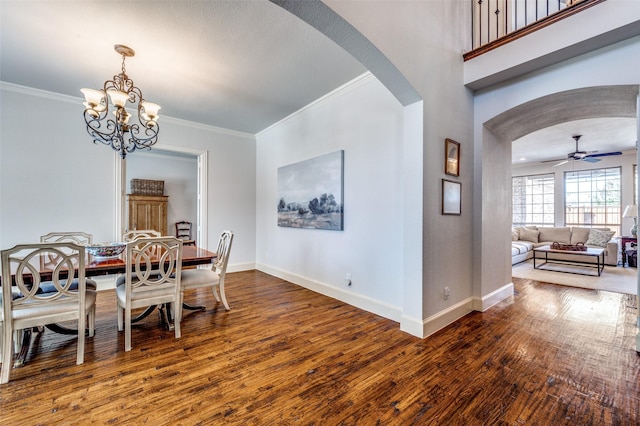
(451, 157)
(311, 193)
(451, 197)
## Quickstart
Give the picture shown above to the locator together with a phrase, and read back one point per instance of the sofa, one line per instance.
(525, 239)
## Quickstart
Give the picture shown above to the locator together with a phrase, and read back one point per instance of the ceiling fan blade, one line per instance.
(590, 159)
(560, 163)
(604, 154)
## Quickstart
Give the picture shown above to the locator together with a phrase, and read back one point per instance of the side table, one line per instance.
(623, 241)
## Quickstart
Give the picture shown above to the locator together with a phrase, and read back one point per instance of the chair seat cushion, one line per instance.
(194, 278)
(52, 309)
(121, 280)
(48, 287)
(161, 291)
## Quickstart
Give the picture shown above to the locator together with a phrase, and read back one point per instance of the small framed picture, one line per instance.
(451, 157)
(451, 197)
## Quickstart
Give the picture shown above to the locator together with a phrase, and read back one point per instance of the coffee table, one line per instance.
(598, 253)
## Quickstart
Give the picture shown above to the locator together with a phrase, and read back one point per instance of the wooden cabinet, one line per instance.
(148, 212)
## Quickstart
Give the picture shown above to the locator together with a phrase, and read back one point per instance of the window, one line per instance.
(532, 200)
(592, 198)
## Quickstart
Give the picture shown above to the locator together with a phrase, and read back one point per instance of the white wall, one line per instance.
(366, 122)
(53, 178)
(180, 176)
(425, 41)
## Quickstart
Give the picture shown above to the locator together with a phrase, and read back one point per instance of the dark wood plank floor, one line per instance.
(552, 355)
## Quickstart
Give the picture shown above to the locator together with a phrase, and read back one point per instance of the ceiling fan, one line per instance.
(590, 157)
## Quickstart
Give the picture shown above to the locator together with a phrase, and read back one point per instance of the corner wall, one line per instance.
(365, 121)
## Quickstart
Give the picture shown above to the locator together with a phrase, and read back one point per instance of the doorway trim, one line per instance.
(120, 174)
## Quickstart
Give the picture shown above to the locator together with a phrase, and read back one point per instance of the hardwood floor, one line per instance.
(552, 355)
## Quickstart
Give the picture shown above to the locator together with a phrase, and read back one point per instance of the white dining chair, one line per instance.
(25, 305)
(78, 237)
(211, 277)
(141, 233)
(147, 285)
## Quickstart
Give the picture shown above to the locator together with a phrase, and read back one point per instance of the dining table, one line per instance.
(192, 256)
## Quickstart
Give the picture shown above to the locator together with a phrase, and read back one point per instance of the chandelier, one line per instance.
(115, 130)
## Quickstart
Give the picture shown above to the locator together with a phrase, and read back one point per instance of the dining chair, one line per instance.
(146, 284)
(183, 231)
(141, 233)
(26, 305)
(211, 277)
(78, 237)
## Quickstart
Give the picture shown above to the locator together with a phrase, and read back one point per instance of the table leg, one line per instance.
(164, 311)
(194, 307)
(24, 343)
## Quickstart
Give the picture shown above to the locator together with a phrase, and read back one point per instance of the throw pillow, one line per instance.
(515, 235)
(529, 235)
(599, 238)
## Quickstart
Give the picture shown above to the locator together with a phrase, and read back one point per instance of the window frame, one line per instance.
(589, 202)
(537, 210)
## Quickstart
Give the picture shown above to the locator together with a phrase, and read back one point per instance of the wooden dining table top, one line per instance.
(191, 256)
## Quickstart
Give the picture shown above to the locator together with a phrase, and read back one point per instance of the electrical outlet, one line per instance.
(447, 293)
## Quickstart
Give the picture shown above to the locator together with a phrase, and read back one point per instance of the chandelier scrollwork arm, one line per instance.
(108, 122)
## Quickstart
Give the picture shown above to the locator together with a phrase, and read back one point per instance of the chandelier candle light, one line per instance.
(117, 132)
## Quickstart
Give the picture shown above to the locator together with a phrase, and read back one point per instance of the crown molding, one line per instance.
(345, 88)
(45, 94)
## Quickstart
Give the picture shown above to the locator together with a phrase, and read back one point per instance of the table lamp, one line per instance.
(632, 211)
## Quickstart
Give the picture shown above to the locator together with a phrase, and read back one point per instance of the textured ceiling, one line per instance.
(542, 130)
(245, 65)
(239, 65)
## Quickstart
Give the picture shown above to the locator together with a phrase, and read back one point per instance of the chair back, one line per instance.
(153, 262)
(142, 233)
(223, 251)
(35, 301)
(183, 230)
(23, 264)
(80, 238)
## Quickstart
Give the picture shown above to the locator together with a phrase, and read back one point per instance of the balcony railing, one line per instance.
(496, 22)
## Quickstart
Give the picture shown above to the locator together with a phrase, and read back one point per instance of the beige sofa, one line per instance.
(525, 239)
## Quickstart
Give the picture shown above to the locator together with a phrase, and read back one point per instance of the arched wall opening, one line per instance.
(493, 184)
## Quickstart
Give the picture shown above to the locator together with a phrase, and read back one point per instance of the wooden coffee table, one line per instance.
(598, 253)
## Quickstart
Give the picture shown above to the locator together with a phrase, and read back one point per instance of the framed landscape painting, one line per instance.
(310, 193)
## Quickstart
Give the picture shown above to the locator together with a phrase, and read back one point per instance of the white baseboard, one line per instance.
(448, 316)
(414, 326)
(493, 298)
(368, 304)
(239, 267)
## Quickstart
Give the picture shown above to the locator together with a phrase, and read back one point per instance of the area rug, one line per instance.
(613, 278)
